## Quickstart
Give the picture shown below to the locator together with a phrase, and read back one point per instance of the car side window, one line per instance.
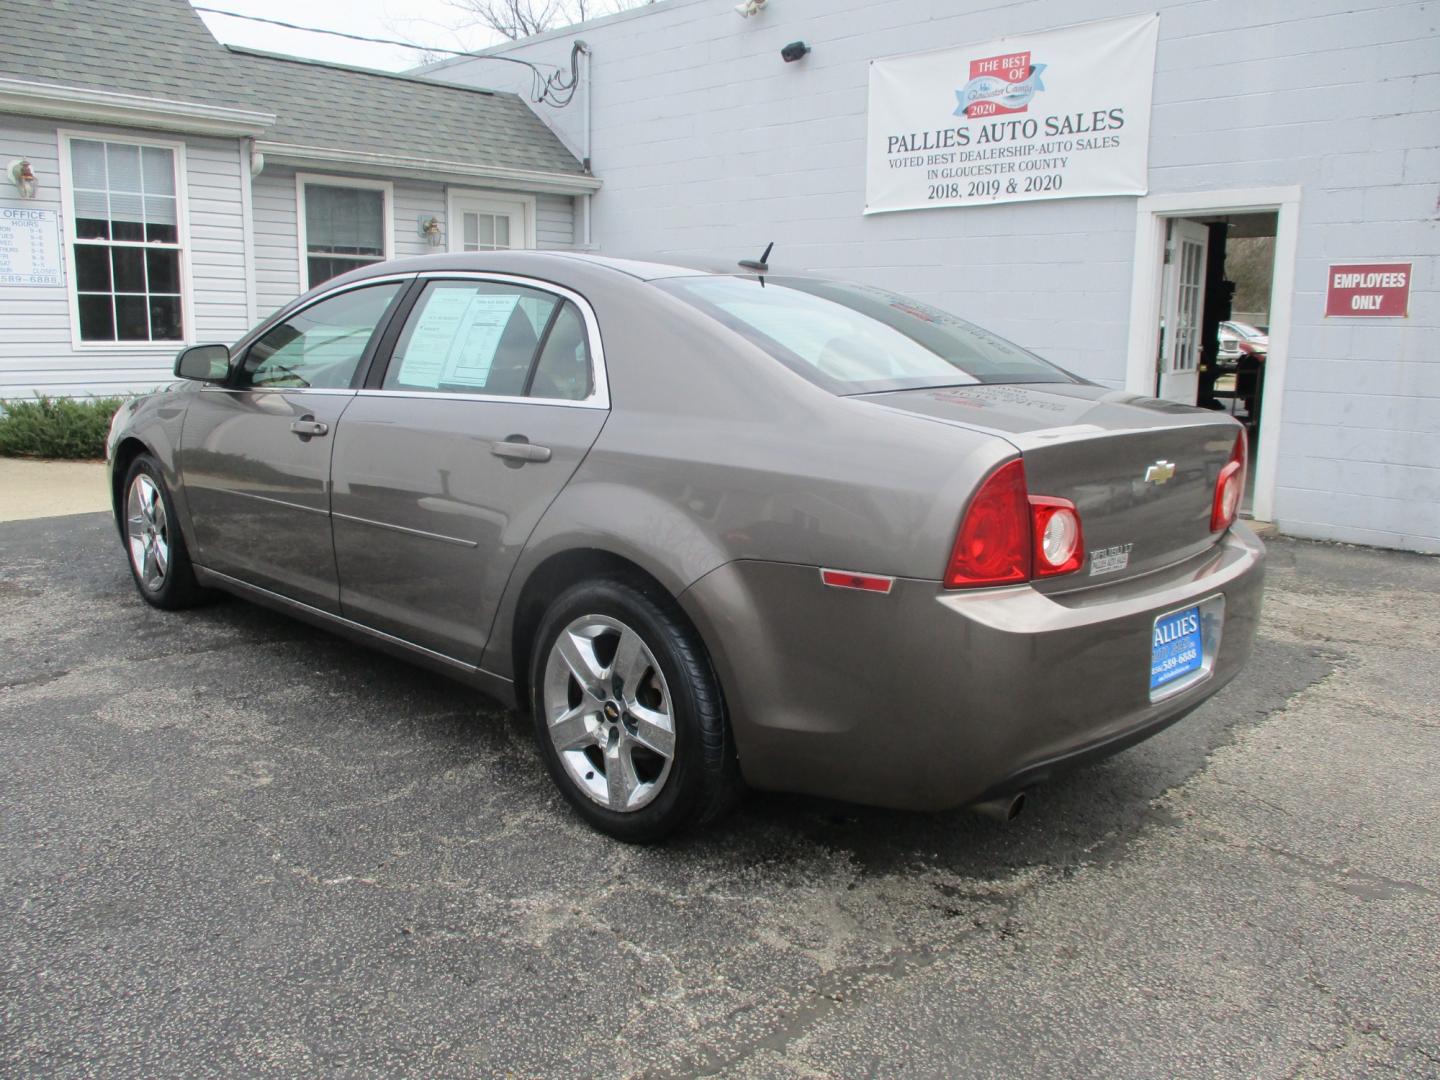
(563, 370)
(319, 347)
(471, 337)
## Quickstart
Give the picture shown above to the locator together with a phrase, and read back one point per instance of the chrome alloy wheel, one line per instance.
(148, 531)
(609, 712)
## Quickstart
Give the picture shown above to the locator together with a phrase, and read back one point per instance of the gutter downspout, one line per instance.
(248, 160)
(586, 242)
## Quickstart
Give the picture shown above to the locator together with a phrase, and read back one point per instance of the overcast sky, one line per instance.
(431, 22)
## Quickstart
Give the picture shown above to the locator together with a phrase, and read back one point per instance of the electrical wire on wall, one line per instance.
(555, 88)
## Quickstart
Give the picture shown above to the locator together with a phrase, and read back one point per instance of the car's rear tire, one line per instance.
(628, 712)
(159, 560)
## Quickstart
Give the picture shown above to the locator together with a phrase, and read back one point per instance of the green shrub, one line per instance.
(56, 427)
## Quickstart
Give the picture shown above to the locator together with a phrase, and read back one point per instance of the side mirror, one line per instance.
(204, 363)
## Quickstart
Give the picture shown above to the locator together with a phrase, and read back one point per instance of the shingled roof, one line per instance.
(161, 49)
(345, 108)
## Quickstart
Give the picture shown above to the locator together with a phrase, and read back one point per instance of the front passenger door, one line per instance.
(491, 399)
(255, 452)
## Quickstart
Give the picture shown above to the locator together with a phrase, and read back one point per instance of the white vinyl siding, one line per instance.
(36, 321)
(417, 201)
(554, 221)
(37, 353)
(277, 269)
(277, 265)
(215, 170)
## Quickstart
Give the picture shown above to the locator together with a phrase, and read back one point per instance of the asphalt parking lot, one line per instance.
(232, 845)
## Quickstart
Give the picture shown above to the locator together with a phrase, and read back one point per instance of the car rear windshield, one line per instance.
(854, 339)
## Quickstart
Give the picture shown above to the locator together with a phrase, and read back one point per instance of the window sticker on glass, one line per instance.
(477, 340)
(454, 337)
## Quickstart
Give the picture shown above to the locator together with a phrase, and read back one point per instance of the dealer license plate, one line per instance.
(1176, 649)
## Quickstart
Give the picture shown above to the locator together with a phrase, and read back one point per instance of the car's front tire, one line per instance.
(628, 712)
(159, 560)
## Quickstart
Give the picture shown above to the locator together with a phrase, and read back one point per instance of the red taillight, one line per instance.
(1229, 488)
(1009, 536)
(993, 545)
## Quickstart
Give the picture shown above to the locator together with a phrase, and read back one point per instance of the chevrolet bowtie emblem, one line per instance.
(1159, 472)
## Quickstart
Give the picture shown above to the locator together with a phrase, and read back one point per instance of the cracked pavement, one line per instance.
(233, 845)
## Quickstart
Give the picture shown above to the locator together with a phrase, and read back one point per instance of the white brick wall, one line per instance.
(707, 142)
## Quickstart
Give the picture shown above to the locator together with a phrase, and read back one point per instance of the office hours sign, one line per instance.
(29, 247)
(1051, 115)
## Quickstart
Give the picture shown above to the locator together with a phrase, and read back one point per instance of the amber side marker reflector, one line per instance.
(845, 579)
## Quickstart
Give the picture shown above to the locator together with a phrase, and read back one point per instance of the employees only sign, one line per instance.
(1051, 115)
(1368, 290)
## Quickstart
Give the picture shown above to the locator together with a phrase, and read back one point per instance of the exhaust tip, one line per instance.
(1005, 808)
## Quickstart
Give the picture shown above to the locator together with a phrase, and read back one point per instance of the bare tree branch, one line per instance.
(424, 40)
(516, 19)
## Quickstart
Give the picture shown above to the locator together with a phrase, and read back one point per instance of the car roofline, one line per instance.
(635, 267)
(655, 269)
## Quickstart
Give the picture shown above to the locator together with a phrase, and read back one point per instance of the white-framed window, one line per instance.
(344, 223)
(485, 221)
(126, 222)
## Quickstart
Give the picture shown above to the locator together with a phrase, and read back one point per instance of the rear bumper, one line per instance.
(926, 699)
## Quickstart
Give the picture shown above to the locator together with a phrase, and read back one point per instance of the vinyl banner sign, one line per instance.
(1052, 115)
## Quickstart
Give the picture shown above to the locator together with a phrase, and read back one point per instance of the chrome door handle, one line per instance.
(517, 450)
(307, 426)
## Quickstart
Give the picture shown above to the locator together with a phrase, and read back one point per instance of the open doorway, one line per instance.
(1215, 318)
(1210, 311)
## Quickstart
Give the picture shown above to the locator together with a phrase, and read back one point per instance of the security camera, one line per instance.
(749, 7)
(794, 51)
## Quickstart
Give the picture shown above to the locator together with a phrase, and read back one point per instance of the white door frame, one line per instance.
(489, 202)
(1150, 214)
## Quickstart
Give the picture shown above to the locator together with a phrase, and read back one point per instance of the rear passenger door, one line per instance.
(492, 395)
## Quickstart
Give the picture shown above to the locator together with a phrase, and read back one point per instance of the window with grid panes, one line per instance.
(484, 232)
(126, 241)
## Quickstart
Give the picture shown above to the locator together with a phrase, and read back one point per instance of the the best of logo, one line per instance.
(999, 85)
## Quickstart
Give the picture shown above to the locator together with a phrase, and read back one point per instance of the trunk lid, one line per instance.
(1109, 452)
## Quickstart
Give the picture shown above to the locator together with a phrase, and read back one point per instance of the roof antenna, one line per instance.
(762, 264)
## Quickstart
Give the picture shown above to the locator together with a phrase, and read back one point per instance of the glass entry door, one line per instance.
(1182, 304)
(481, 222)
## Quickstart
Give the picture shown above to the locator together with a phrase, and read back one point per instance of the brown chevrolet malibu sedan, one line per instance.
(714, 528)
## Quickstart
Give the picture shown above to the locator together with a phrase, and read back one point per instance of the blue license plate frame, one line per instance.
(1177, 647)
